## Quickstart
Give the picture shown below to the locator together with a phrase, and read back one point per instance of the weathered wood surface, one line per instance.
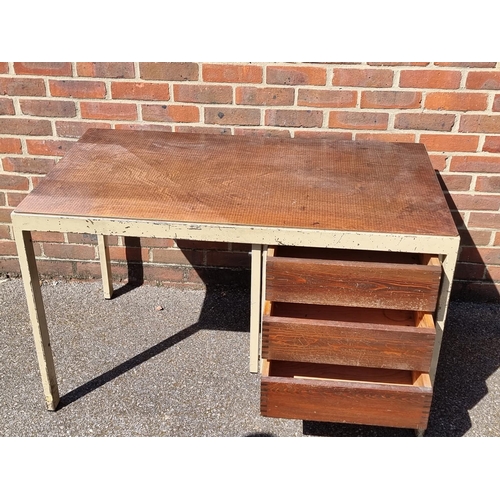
(278, 182)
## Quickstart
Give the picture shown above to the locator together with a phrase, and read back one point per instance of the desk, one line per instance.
(259, 191)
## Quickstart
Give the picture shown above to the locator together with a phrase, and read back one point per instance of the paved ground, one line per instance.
(127, 369)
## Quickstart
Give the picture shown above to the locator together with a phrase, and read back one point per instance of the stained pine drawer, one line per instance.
(348, 336)
(330, 393)
(382, 280)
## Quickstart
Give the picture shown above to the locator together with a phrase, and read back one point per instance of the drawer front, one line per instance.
(346, 401)
(347, 343)
(382, 285)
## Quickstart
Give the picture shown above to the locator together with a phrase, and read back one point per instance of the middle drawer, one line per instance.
(375, 338)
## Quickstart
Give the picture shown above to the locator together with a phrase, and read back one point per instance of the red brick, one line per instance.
(226, 73)
(36, 180)
(481, 164)
(176, 256)
(469, 237)
(456, 101)
(367, 136)
(488, 184)
(266, 96)
(22, 86)
(390, 99)
(15, 182)
(346, 77)
(170, 113)
(78, 89)
(480, 255)
(398, 64)
(28, 165)
(467, 64)
(158, 242)
(323, 134)
(484, 80)
(48, 147)
(173, 71)
(164, 274)
(206, 94)
(232, 116)
(496, 103)
(205, 245)
(493, 273)
(132, 254)
(452, 182)
(89, 239)
(293, 118)
(8, 248)
(52, 268)
(76, 129)
(430, 78)
(3, 200)
(5, 212)
(140, 91)
(497, 239)
(62, 251)
(108, 110)
(445, 142)
(295, 75)
(475, 202)
(25, 126)
(37, 107)
(43, 68)
(480, 124)
(202, 130)
(262, 132)
(228, 259)
(327, 98)
(4, 67)
(424, 121)
(484, 220)
(358, 120)
(6, 106)
(10, 145)
(13, 199)
(4, 232)
(10, 266)
(159, 127)
(47, 236)
(438, 162)
(466, 271)
(106, 69)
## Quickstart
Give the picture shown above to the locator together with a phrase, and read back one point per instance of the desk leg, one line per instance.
(37, 315)
(255, 307)
(107, 282)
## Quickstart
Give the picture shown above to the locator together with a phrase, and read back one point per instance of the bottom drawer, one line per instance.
(344, 394)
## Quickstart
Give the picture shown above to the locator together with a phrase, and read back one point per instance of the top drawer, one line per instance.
(353, 278)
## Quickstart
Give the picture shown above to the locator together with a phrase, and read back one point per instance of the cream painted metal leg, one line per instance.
(37, 315)
(255, 307)
(107, 282)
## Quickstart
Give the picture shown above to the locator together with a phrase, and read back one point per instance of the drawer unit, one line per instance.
(348, 336)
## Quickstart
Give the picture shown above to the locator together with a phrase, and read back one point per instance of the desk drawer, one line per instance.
(401, 340)
(353, 278)
(330, 393)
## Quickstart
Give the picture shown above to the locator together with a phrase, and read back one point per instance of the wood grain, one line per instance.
(361, 343)
(336, 400)
(345, 283)
(273, 182)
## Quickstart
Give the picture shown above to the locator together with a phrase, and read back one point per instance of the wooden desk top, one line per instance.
(243, 180)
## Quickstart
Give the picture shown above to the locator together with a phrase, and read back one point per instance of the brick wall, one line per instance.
(452, 108)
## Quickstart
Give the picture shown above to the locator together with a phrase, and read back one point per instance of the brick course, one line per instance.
(452, 108)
